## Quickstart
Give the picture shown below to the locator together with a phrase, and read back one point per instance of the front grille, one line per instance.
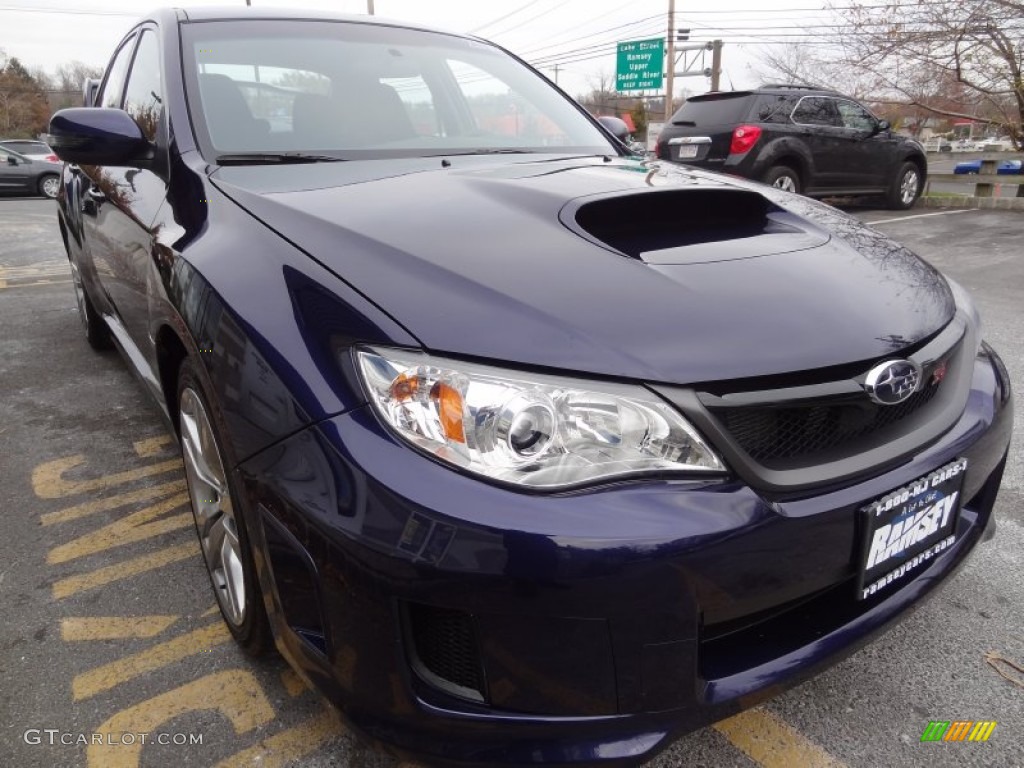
(774, 435)
(445, 646)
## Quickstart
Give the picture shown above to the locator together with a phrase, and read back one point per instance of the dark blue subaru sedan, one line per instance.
(518, 448)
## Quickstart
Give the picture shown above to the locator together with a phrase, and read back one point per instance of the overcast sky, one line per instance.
(577, 35)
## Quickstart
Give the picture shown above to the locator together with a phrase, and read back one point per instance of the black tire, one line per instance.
(783, 177)
(252, 629)
(49, 185)
(96, 331)
(905, 187)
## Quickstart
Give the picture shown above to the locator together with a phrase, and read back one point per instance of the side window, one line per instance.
(775, 109)
(855, 116)
(110, 95)
(816, 110)
(144, 98)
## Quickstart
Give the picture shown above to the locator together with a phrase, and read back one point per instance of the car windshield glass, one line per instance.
(720, 109)
(360, 91)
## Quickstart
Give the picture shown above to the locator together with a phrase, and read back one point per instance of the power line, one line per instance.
(598, 33)
(492, 22)
(71, 11)
(527, 21)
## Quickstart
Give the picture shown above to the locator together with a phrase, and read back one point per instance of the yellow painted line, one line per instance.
(128, 667)
(215, 611)
(292, 683)
(152, 446)
(48, 479)
(139, 525)
(772, 743)
(123, 570)
(291, 745)
(79, 628)
(235, 693)
(112, 502)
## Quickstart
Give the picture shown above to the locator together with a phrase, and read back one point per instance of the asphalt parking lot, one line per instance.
(110, 628)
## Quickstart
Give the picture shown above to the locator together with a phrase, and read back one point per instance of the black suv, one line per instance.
(808, 140)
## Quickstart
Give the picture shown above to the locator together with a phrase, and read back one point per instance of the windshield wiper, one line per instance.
(270, 158)
(459, 153)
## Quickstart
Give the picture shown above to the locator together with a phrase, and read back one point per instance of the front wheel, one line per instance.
(96, 331)
(783, 177)
(905, 187)
(220, 525)
(49, 186)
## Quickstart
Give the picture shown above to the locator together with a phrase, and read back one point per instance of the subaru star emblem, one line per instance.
(893, 381)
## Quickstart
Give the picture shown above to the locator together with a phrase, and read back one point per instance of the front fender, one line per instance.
(267, 323)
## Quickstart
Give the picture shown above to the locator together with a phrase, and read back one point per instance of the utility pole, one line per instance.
(716, 65)
(670, 59)
(556, 74)
(369, 7)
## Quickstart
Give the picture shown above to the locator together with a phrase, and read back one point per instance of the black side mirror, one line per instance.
(12, 160)
(98, 136)
(615, 126)
(882, 126)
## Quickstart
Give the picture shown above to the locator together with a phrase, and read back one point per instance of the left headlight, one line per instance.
(532, 430)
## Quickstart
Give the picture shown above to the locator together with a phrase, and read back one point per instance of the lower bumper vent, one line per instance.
(445, 650)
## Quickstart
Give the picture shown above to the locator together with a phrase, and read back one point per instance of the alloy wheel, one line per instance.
(908, 187)
(785, 183)
(50, 186)
(76, 282)
(212, 508)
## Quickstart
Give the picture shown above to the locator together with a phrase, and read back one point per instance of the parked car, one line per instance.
(1004, 168)
(24, 175)
(34, 150)
(521, 449)
(800, 139)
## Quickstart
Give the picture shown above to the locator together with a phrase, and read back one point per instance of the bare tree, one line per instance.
(955, 58)
(71, 76)
(799, 64)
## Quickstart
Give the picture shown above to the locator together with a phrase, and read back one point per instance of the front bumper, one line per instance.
(602, 623)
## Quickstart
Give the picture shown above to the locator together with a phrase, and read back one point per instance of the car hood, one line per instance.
(611, 267)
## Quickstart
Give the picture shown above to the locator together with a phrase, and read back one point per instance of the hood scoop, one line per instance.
(690, 226)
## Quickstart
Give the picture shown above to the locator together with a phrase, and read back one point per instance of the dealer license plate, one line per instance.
(687, 150)
(907, 528)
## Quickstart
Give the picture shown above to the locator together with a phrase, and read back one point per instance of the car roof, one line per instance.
(247, 13)
(771, 90)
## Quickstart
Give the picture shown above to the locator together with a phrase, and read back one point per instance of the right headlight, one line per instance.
(535, 431)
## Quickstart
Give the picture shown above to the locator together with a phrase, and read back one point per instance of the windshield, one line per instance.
(355, 91)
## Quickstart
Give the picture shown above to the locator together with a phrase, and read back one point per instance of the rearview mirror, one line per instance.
(12, 160)
(97, 136)
(883, 126)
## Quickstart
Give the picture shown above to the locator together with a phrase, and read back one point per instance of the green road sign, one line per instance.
(639, 65)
